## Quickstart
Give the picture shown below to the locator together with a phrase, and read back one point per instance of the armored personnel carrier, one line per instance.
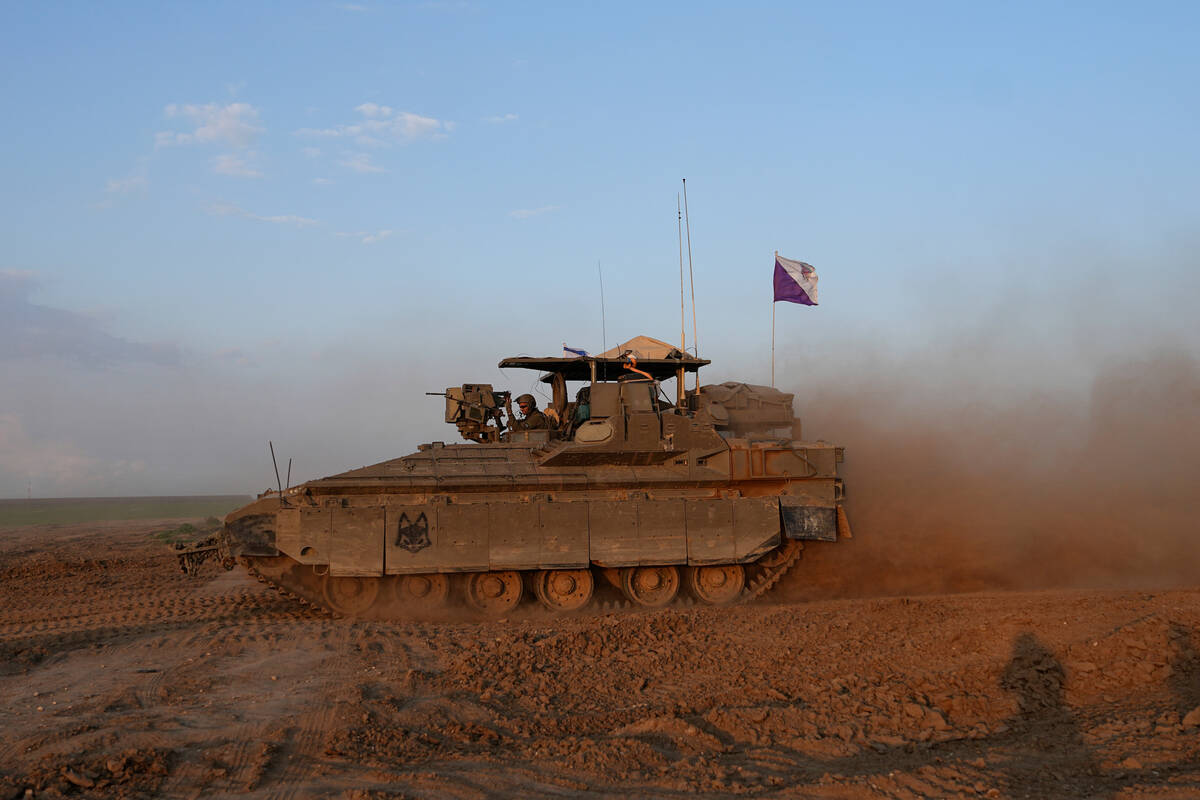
(625, 493)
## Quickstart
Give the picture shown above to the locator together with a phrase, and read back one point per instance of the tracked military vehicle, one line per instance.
(627, 493)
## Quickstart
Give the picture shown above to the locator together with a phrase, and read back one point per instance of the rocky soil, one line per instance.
(121, 677)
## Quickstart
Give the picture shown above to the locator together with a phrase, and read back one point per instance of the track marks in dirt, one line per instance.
(244, 694)
(804, 698)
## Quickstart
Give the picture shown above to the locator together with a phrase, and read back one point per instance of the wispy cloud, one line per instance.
(500, 119)
(381, 125)
(285, 219)
(311, 152)
(235, 125)
(526, 213)
(235, 165)
(322, 181)
(222, 209)
(366, 237)
(31, 330)
(134, 183)
(361, 163)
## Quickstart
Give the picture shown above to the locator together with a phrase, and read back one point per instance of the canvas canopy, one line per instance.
(654, 357)
(644, 347)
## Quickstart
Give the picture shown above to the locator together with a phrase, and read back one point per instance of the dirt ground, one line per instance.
(121, 677)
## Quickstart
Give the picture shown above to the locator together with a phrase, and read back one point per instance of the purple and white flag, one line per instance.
(795, 281)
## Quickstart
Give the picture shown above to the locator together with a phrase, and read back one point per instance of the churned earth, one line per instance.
(121, 677)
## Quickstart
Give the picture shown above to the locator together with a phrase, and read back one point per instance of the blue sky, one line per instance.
(228, 222)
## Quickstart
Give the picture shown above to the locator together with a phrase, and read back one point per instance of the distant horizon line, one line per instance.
(129, 497)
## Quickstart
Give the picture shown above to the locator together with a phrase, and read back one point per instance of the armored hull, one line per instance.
(623, 492)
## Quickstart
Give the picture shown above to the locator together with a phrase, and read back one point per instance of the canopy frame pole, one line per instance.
(773, 324)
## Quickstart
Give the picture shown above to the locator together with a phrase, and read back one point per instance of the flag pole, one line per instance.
(773, 320)
(682, 317)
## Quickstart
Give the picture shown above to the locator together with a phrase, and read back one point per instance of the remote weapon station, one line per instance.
(624, 493)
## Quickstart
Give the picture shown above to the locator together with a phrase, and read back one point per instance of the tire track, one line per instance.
(294, 776)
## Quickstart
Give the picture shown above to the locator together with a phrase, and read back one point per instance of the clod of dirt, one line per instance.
(684, 734)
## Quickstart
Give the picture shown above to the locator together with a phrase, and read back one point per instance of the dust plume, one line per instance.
(957, 485)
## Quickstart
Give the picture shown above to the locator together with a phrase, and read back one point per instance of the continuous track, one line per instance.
(303, 584)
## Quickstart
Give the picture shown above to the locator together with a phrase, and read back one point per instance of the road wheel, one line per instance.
(350, 596)
(564, 589)
(494, 593)
(717, 585)
(421, 594)
(650, 587)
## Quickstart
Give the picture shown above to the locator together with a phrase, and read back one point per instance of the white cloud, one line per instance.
(311, 152)
(286, 219)
(361, 163)
(133, 183)
(366, 237)
(222, 209)
(52, 466)
(374, 111)
(501, 118)
(526, 213)
(234, 125)
(235, 165)
(378, 236)
(322, 181)
(383, 125)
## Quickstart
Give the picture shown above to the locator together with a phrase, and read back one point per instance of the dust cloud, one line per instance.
(956, 483)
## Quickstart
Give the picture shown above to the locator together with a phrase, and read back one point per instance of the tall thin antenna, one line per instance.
(278, 482)
(691, 280)
(603, 321)
(682, 317)
(289, 481)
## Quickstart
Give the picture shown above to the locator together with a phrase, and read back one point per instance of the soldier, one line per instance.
(583, 405)
(534, 420)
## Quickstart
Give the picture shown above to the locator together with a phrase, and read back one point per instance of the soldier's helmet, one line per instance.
(527, 399)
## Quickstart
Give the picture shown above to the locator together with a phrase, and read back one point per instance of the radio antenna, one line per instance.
(691, 279)
(289, 480)
(278, 482)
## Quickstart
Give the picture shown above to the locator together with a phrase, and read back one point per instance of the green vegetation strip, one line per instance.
(15, 513)
(187, 533)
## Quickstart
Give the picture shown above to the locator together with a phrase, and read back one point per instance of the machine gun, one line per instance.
(475, 410)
